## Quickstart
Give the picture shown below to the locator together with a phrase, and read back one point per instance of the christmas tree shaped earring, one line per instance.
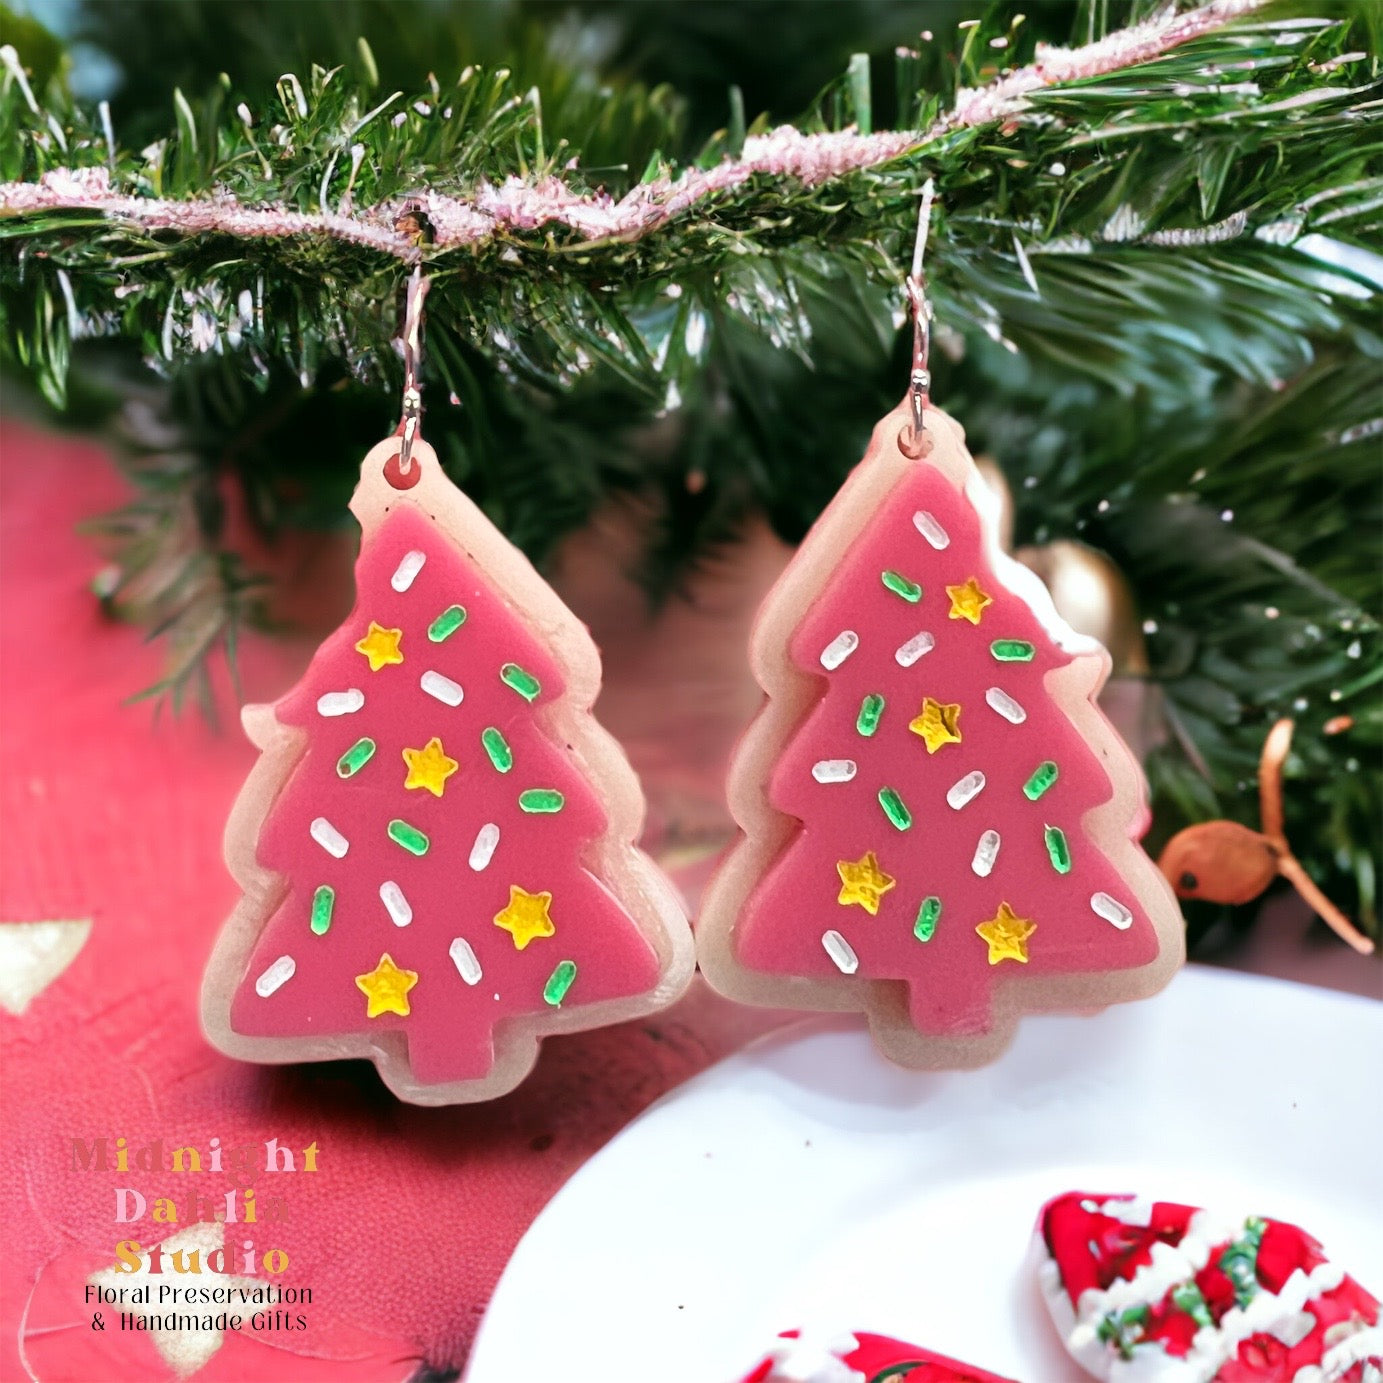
(939, 824)
(436, 844)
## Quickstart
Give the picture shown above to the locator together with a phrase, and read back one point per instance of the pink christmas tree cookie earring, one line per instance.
(939, 824)
(436, 845)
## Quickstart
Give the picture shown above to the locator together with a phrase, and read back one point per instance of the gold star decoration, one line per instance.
(863, 882)
(938, 724)
(386, 988)
(1006, 935)
(968, 601)
(381, 646)
(429, 767)
(526, 916)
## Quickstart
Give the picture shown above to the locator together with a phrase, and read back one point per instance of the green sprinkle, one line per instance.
(555, 990)
(356, 757)
(542, 800)
(447, 623)
(1187, 1297)
(1012, 650)
(1057, 850)
(1043, 776)
(497, 747)
(928, 915)
(900, 585)
(871, 708)
(1239, 1262)
(894, 808)
(1123, 1329)
(410, 837)
(323, 901)
(527, 686)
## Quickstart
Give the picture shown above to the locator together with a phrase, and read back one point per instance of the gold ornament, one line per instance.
(1093, 597)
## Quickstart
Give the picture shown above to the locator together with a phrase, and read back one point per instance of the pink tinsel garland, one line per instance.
(519, 205)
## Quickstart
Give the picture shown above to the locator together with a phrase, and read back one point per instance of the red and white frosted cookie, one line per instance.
(436, 846)
(939, 822)
(1143, 1290)
(802, 1356)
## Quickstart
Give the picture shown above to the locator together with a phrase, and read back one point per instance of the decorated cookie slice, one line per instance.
(436, 844)
(939, 823)
(1145, 1291)
(811, 1357)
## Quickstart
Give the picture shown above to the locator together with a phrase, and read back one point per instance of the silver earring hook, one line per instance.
(920, 379)
(412, 362)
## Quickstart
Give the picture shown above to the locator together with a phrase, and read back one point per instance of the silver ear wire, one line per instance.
(412, 360)
(920, 379)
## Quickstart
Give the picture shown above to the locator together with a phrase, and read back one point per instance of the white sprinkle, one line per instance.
(487, 838)
(1006, 706)
(833, 770)
(841, 952)
(276, 976)
(467, 966)
(1112, 910)
(966, 790)
(400, 910)
(340, 703)
(839, 649)
(908, 653)
(443, 688)
(986, 852)
(329, 838)
(932, 531)
(411, 565)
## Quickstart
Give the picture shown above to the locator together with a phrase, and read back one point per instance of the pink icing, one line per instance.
(949, 977)
(451, 1024)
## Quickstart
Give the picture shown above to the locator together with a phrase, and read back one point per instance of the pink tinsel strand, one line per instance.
(516, 205)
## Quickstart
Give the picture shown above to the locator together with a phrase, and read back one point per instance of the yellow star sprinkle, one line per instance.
(526, 916)
(1007, 935)
(429, 767)
(386, 988)
(863, 882)
(938, 724)
(968, 601)
(381, 646)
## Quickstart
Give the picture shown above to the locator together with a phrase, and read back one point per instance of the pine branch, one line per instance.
(526, 204)
(1083, 147)
(1120, 263)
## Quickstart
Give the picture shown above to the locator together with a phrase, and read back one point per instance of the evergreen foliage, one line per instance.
(1142, 308)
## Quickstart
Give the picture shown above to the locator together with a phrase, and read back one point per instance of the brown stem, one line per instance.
(1274, 755)
(1291, 869)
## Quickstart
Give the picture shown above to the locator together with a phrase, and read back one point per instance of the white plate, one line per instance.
(807, 1181)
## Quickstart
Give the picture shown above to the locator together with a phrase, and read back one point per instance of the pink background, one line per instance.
(114, 815)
